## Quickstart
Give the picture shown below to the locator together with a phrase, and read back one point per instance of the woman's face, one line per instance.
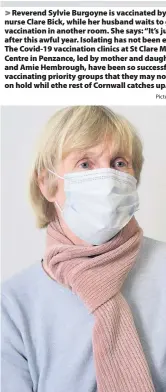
(101, 156)
(98, 157)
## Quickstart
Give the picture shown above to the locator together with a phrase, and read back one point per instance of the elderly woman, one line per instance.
(91, 316)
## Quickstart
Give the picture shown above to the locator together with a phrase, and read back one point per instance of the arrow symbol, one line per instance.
(7, 12)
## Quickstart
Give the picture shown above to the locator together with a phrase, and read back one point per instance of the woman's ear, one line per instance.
(42, 180)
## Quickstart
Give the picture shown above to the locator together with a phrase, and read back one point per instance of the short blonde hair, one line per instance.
(78, 128)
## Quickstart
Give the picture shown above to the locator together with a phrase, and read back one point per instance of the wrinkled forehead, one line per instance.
(109, 145)
(98, 151)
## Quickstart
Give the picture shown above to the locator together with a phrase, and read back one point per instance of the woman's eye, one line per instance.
(119, 163)
(84, 165)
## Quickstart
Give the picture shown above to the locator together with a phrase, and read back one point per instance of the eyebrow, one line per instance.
(84, 154)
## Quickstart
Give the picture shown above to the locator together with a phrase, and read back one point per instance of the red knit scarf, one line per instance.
(119, 359)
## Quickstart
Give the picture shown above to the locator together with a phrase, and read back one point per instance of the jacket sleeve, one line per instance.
(15, 374)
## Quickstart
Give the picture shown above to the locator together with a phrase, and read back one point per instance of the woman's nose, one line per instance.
(105, 165)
